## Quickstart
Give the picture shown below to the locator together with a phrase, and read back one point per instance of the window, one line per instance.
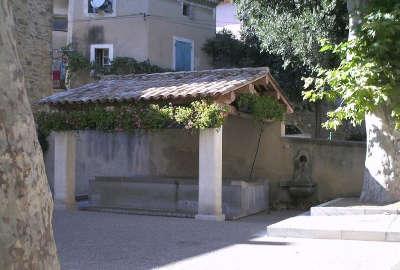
(60, 23)
(101, 54)
(292, 130)
(186, 10)
(102, 57)
(107, 8)
(183, 54)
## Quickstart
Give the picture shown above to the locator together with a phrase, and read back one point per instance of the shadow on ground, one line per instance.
(91, 240)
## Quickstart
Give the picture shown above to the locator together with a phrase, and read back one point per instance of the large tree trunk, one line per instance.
(354, 7)
(382, 164)
(26, 233)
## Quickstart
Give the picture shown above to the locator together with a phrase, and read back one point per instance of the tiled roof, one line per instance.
(168, 86)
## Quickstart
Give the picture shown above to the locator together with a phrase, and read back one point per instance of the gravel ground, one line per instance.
(94, 240)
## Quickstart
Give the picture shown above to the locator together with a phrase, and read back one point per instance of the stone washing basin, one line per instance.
(300, 190)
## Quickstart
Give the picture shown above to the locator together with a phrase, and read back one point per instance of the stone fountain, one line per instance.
(301, 186)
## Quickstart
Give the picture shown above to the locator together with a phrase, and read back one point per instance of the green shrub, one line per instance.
(260, 107)
(196, 115)
(126, 65)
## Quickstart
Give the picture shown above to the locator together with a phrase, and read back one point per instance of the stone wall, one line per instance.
(304, 118)
(337, 167)
(174, 195)
(33, 28)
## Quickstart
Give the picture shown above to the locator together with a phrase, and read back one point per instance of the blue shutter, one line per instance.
(183, 56)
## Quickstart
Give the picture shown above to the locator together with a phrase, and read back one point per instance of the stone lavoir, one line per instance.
(202, 162)
(166, 154)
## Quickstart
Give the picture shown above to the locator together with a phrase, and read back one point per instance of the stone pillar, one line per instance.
(210, 175)
(64, 170)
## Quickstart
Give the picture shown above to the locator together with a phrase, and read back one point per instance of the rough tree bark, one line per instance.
(26, 233)
(382, 163)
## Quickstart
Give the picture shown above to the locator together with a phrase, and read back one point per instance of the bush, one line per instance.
(196, 115)
(260, 107)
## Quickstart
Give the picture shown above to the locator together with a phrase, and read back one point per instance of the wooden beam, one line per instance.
(252, 89)
(232, 110)
(272, 84)
(248, 88)
(227, 98)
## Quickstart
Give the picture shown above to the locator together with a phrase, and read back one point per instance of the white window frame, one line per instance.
(191, 41)
(95, 15)
(93, 48)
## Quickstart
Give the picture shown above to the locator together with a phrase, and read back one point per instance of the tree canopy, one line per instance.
(293, 28)
(226, 52)
(368, 76)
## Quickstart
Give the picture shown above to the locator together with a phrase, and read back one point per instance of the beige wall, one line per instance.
(127, 30)
(142, 37)
(167, 22)
(161, 42)
(123, 8)
(337, 167)
(59, 39)
(60, 7)
(128, 36)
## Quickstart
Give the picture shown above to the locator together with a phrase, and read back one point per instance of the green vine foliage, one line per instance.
(369, 73)
(126, 65)
(196, 115)
(260, 107)
(78, 63)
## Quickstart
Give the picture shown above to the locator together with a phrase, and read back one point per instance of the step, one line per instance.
(352, 206)
(345, 227)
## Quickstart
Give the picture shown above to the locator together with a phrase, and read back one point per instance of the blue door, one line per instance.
(183, 56)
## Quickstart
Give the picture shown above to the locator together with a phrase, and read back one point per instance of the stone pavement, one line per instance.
(91, 240)
(352, 206)
(345, 227)
(345, 219)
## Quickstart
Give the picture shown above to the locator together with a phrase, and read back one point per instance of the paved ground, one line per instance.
(345, 227)
(90, 240)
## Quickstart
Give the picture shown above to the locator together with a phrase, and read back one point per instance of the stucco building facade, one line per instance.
(226, 18)
(167, 33)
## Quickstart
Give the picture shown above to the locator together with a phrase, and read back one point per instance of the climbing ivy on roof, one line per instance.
(196, 115)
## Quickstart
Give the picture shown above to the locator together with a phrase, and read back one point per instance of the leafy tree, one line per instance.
(228, 52)
(365, 80)
(293, 28)
(368, 76)
(368, 83)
